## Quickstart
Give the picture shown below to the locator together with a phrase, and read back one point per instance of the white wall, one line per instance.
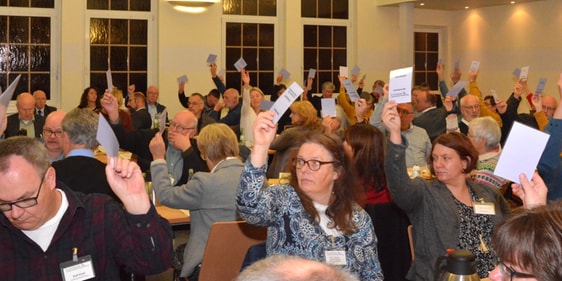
(502, 38)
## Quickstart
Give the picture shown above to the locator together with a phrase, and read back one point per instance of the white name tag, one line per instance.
(335, 257)
(83, 269)
(483, 208)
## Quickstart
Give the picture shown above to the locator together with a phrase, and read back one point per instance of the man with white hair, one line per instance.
(25, 122)
(41, 107)
(485, 134)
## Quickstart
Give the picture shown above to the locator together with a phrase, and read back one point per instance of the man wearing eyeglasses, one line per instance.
(52, 135)
(49, 231)
(25, 122)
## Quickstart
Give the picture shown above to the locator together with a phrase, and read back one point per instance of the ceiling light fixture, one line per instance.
(466, 7)
(422, 4)
(191, 6)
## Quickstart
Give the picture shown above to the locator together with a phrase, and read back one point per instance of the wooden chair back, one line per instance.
(226, 248)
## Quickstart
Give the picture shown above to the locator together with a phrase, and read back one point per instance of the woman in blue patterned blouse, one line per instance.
(315, 216)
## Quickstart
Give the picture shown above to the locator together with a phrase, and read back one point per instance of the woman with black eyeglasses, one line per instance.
(315, 216)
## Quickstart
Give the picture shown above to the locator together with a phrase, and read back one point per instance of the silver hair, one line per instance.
(81, 126)
(486, 128)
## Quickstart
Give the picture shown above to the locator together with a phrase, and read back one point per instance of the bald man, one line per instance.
(41, 107)
(52, 135)
(549, 104)
(25, 122)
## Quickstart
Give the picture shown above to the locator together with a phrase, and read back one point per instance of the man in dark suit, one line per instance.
(41, 107)
(25, 123)
(154, 108)
(80, 170)
(431, 118)
(139, 113)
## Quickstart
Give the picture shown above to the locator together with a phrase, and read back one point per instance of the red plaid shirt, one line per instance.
(98, 226)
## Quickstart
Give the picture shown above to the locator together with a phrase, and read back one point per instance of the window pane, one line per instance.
(98, 81)
(232, 55)
(419, 62)
(98, 4)
(325, 36)
(250, 55)
(250, 34)
(19, 3)
(40, 59)
(419, 78)
(340, 58)
(266, 59)
(233, 80)
(98, 58)
(432, 80)
(325, 8)
(23, 85)
(19, 57)
(140, 5)
(266, 35)
(139, 31)
(234, 34)
(310, 36)
(139, 79)
(433, 42)
(121, 5)
(268, 8)
(231, 7)
(341, 8)
(310, 59)
(419, 41)
(43, 3)
(249, 7)
(432, 61)
(118, 58)
(138, 58)
(3, 3)
(308, 8)
(41, 82)
(323, 76)
(118, 32)
(340, 36)
(120, 80)
(3, 29)
(40, 30)
(324, 59)
(265, 81)
(99, 31)
(19, 29)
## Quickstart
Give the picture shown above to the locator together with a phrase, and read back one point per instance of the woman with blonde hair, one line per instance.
(304, 120)
(251, 102)
(210, 196)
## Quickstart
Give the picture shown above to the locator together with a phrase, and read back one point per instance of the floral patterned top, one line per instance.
(290, 231)
(475, 235)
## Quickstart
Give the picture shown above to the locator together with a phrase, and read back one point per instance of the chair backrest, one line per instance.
(411, 240)
(226, 248)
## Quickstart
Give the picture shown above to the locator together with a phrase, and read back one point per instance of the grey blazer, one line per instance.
(432, 211)
(210, 197)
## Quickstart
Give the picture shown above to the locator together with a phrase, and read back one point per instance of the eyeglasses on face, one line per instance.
(176, 126)
(22, 203)
(49, 132)
(507, 271)
(313, 165)
(471, 107)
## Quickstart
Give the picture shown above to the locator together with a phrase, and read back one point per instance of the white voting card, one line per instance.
(355, 70)
(106, 137)
(400, 85)
(182, 79)
(240, 64)
(266, 105)
(521, 153)
(109, 80)
(285, 73)
(162, 120)
(351, 91)
(7, 96)
(212, 58)
(517, 72)
(457, 88)
(540, 86)
(312, 73)
(524, 73)
(474, 66)
(285, 100)
(344, 71)
(328, 107)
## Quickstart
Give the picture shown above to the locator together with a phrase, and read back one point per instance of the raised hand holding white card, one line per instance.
(400, 85)
(457, 88)
(182, 79)
(106, 137)
(285, 73)
(344, 71)
(355, 70)
(312, 73)
(540, 86)
(162, 120)
(109, 80)
(474, 66)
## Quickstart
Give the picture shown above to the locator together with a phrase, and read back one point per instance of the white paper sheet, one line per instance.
(285, 100)
(328, 107)
(400, 85)
(106, 137)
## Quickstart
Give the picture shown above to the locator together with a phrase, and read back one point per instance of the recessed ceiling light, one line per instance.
(466, 7)
(512, 2)
(422, 4)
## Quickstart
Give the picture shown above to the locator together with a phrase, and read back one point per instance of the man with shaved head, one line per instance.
(25, 122)
(52, 135)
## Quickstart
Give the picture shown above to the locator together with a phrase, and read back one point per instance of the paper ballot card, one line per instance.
(182, 79)
(344, 71)
(312, 73)
(350, 89)
(109, 80)
(457, 88)
(400, 85)
(540, 86)
(106, 137)
(285, 100)
(285, 73)
(355, 70)
(474, 66)
(328, 107)
(212, 58)
(524, 73)
(240, 64)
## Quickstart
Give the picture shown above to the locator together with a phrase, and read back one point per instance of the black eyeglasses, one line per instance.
(49, 132)
(177, 126)
(22, 203)
(313, 165)
(506, 270)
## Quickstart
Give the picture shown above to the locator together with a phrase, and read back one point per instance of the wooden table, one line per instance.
(174, 216)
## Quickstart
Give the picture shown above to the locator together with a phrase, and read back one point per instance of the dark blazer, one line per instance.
(83, 174)
(433, 121)
(46, 111)
(232, 118)
(13, 126)
(141, 119)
